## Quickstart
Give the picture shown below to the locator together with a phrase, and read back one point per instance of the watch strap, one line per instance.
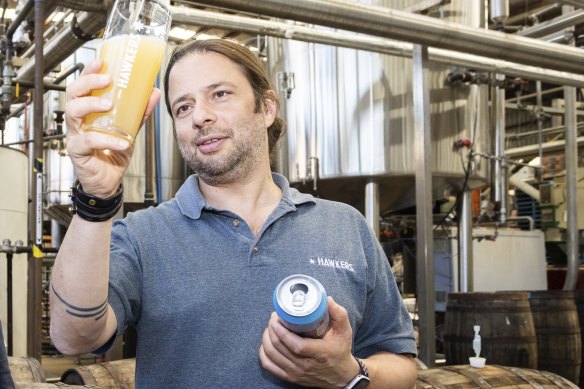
(362, 368)
(361, 380)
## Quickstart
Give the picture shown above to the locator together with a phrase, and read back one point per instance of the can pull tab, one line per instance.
(298, 294)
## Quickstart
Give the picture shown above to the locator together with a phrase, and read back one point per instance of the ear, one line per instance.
(270, 107)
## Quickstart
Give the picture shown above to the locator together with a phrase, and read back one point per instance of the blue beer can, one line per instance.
(301, 303)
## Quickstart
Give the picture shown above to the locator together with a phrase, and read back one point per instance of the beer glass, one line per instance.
(132, 51)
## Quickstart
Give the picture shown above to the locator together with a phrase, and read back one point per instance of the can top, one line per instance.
(299, 295)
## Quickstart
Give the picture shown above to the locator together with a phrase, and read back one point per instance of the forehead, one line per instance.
(200, 70)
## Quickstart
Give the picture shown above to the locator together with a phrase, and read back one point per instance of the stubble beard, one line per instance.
(248, 145)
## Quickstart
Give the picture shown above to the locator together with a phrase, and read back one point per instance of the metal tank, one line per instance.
(13, 225)
(350, 118)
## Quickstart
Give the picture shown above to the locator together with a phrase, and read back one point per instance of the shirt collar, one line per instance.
(192, 203)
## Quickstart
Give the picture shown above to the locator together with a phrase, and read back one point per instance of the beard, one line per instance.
(248, 146)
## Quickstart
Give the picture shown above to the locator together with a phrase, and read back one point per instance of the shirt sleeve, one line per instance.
(386, 324)
(125, 278)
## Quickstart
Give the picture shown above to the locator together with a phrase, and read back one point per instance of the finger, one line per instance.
(83, 86)
(270, 366)
(154, 97)
(339, 317)
(298, 346)
(274, 341)
(93, 67)
(79, 108)
(88, 141)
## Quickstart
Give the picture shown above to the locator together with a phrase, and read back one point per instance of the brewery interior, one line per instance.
(456, 127)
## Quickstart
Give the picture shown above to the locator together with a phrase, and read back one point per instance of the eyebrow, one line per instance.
(210, 87)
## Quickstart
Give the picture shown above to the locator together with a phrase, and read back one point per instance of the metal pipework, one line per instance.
(67, 72)
(84, 5)
(8, 69)
(65, 43)
(465, 249)
(500, 164)
(575, 3)
(424, 234)
(372, 206)
(405, 26)
(34, 322)
(572, 242)
(499, 10)
(552, 26)
(196, 17)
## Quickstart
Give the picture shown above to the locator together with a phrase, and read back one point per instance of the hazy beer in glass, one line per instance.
(132, 51)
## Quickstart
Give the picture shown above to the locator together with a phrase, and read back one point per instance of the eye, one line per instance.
(221, 94)
(182, 109)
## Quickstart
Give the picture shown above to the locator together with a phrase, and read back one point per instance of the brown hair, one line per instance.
(251, 66)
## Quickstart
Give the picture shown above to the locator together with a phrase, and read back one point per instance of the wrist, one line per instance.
(361, 379)
(93, 208)
(351, 370)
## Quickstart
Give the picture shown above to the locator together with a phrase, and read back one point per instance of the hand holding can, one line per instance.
(301, 303)
(132, 51)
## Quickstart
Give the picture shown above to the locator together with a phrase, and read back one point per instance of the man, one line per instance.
(196, 274)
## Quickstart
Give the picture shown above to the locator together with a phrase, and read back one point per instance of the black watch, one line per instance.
(361, 380)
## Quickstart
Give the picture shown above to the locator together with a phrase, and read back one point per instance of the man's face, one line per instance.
(212, 105)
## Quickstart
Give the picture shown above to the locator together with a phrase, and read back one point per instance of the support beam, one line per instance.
(424, 235)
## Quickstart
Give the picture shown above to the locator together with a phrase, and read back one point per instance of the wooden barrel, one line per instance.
(420, 365)
(26, 369)
(58, 385)
(507, 330)
(491, 376)
(579, 299)
(108, 375)
(559, 345)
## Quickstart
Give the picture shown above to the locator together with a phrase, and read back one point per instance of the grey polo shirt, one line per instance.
(198, 285)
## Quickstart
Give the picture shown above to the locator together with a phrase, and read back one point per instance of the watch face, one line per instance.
(363, 383)
(358, 382)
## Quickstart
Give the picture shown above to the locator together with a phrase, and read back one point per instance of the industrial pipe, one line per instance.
(8, 68)
(558, 145)
(201, 18)
(549, 27)
(575, 3)
(150, 129)
(84, 5)
(67, 72)
(372, 206)
(405, 26)
(465, 249)
(500, 164)
(423, 179)
(572, 232)
(65, 43)
(524, 187)
(36, 227)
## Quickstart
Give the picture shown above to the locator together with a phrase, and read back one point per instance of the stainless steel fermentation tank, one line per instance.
(350, 118)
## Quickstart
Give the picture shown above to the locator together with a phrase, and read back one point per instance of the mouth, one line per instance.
(210, 144)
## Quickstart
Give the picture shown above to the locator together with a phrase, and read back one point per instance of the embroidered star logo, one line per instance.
(312, 261)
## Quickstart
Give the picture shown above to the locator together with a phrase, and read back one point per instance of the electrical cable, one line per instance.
(467, 171)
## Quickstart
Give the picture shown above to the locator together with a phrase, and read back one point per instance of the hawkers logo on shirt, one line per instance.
(334, 263)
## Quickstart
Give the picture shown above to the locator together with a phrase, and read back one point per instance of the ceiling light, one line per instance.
(181, 33)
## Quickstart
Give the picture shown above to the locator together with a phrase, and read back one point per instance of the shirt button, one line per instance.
(235, 223)
(255, 249)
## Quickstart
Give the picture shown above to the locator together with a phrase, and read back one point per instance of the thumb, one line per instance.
(339, 317)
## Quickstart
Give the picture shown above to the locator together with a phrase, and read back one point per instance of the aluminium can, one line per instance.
(301, 303)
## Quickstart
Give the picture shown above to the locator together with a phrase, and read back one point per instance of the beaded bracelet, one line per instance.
(93, 208)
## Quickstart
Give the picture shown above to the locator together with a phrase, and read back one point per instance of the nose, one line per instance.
(203, 114)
